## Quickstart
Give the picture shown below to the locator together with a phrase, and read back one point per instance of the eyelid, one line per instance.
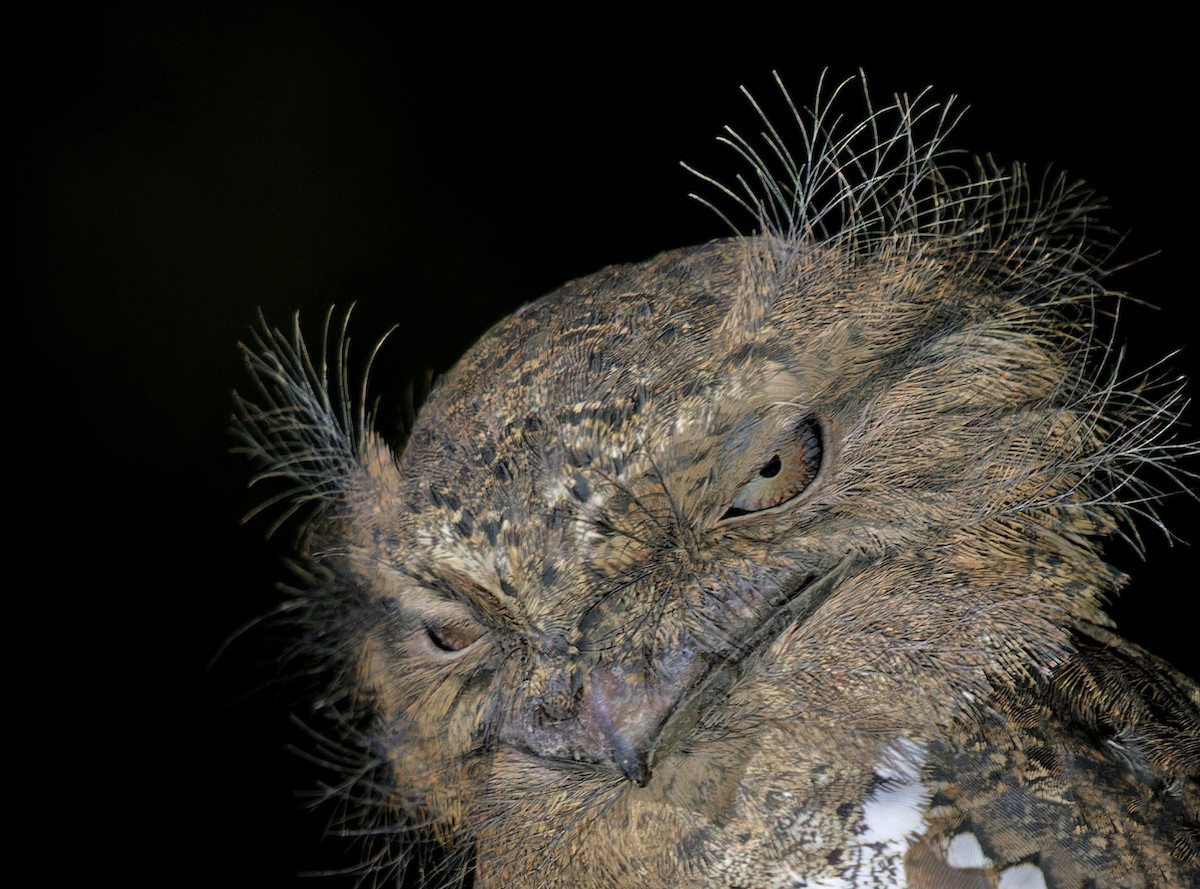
(452, 637)
(785, 466)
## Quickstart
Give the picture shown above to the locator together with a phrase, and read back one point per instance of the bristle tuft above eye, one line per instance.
(302, 425)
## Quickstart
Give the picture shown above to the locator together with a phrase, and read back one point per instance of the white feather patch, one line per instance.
(896, 811)
(1022, 876)
(893, 815)
(965, 852)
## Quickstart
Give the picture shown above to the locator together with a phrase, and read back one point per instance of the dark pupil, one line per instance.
(771, 469)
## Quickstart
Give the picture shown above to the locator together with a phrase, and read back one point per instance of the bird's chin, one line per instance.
(538, 807)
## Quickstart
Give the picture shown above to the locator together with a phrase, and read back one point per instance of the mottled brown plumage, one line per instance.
(770, 562)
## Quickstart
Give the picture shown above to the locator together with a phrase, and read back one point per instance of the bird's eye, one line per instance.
(787, 470)
(451, 637)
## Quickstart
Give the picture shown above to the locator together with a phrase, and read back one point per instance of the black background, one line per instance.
(174, 171)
